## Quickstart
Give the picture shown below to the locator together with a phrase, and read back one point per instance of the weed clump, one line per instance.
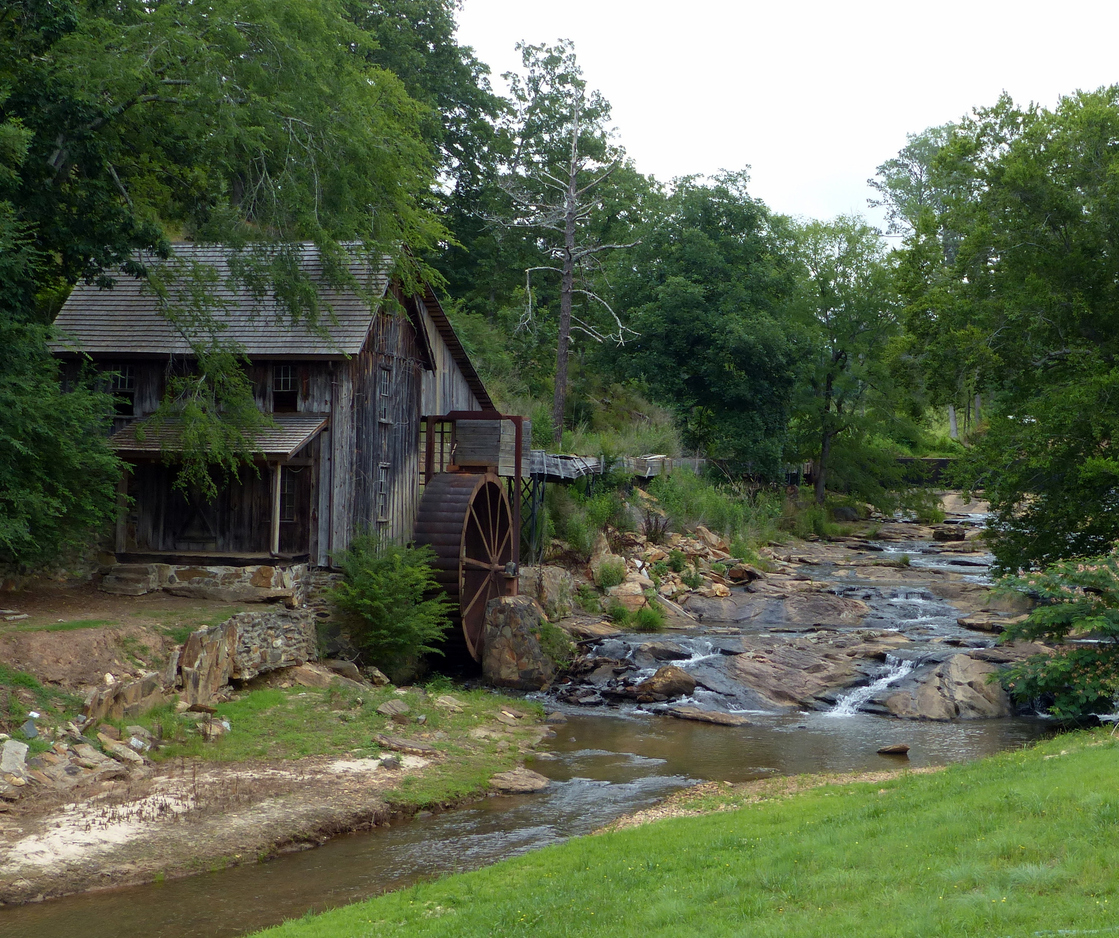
(611, 572)
(649, 618)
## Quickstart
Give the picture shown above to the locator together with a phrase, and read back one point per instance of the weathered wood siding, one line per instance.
(445, 389)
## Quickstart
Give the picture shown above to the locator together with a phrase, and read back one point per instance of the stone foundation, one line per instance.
(256, 583)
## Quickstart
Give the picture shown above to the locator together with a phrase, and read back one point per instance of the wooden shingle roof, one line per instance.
(289, 435)
(130, 317)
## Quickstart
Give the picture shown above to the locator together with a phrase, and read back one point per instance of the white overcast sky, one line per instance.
(811, 95)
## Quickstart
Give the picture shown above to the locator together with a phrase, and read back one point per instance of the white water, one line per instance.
(849, 703)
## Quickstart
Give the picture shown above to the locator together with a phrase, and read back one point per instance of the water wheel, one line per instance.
(466, 518)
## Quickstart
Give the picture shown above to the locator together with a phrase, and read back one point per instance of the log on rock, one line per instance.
(718, 717)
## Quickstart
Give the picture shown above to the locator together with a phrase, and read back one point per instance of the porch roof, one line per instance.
(290, 434)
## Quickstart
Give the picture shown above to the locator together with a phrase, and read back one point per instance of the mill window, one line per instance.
(384, 395)
(122, 385)
(285, 393)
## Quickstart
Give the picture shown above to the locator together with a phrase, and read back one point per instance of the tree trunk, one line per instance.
(567, 286)
(822, 467)
(953, 427)
(826, 436)
(977, 413)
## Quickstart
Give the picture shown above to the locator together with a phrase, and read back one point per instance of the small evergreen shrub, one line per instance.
(611, 572)
(692, 579)
(393, 607)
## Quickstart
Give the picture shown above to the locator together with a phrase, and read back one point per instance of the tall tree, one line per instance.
(1036, 284)
(849, 313)
(562, 158)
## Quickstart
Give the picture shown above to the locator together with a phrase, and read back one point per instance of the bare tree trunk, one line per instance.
(953, 427)
(567, 286)
(977, 414)
(826, 435)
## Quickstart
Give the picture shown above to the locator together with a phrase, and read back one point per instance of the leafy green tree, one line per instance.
(57, 479)
(848, 310)
(705, 291)
(1032, 297)
(1075, 598)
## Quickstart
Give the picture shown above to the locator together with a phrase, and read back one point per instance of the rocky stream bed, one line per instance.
(900, 623)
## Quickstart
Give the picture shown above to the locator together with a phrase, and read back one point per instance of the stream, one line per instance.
(605, 761)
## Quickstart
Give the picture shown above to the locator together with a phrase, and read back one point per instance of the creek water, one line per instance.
(604, 763)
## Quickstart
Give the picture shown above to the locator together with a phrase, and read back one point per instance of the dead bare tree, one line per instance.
(557, 191)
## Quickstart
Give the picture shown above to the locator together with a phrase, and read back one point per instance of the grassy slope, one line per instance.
(1019, 844)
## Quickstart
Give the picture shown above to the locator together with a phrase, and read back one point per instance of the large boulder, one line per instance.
(961, 688)
(552, 587)
(512, 655)
(669, 682)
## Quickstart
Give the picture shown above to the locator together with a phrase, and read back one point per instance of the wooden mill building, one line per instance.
(347, 400)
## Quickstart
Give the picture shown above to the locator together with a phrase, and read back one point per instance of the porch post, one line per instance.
(120, 540)
(274, 541)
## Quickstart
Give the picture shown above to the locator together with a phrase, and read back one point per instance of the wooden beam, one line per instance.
(275, 532)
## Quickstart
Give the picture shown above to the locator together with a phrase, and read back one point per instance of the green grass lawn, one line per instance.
(1021, 844)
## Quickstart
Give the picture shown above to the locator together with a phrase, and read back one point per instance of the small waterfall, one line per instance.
(848, 705)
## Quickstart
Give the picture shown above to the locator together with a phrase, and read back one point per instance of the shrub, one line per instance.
(677, 561)
(618, 613)
(556, 644)
(393, 606)
(692, 579)
(611, 572)
(587, 599)
(654, 526)
(1076, 598)
(649, 618)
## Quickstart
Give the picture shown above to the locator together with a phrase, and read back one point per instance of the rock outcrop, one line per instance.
(962, 688)
(552, 587)
(512, 655)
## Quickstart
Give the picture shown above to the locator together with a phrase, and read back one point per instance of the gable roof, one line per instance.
(129, 318)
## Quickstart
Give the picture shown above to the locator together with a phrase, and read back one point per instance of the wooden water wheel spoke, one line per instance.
(478, 564)
(506, 540)
(484, 587)
(474, 550)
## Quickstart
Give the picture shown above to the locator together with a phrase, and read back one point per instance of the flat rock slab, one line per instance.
(898, 749)
(718, 717)
(519, 781)
(415, 747)
(393, 708)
